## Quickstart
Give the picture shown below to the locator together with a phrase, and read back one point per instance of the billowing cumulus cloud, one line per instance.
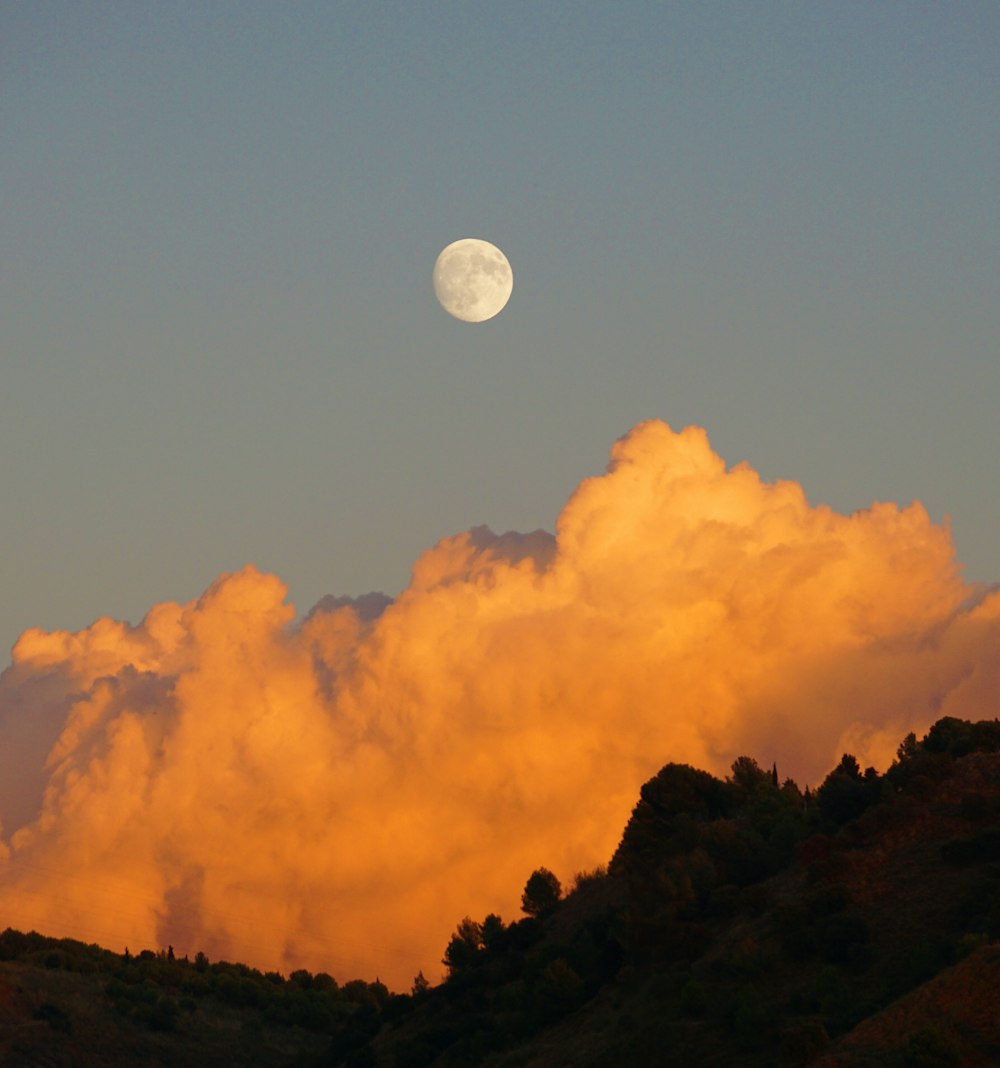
(338, 794)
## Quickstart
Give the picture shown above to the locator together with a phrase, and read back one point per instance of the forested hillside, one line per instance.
(742, 920)
(747, 921)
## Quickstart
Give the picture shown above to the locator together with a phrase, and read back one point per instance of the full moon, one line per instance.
(472, 280)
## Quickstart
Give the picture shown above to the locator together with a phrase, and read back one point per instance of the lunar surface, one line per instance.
(472, 280)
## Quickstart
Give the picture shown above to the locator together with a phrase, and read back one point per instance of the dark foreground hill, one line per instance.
(739, 922)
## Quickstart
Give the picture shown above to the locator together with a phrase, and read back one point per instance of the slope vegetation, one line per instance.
(740, 921)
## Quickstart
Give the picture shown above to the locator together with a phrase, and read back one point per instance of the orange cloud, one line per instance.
(338, 794)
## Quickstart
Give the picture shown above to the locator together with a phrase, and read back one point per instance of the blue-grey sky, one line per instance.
(219, 343)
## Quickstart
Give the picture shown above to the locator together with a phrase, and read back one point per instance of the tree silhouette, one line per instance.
(541, 893)
(845, 792)
(747, 775)
(492, 930)
(465, 946)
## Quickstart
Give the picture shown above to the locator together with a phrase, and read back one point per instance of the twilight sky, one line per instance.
(219, 340)
(754, 252)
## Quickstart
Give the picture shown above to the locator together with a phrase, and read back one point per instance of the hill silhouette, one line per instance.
(739, 921)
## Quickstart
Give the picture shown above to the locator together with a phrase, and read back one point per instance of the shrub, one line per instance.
(558, 990)
(802, 1040)
(931, 1048)
(694, 1000)
(54, 1016)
